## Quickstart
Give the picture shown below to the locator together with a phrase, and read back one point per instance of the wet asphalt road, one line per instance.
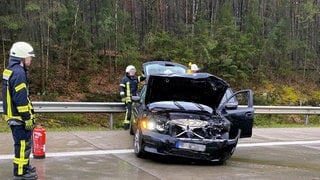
(279, 153)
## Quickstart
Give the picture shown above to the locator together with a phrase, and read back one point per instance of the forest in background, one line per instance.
(83, 47)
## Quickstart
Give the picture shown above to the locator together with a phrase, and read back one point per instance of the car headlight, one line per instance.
(152, 124)
(160, 127)
(148, 124)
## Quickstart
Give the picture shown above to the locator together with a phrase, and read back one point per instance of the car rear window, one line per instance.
(157, 69)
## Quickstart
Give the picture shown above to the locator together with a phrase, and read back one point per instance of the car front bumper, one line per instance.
(206, 149)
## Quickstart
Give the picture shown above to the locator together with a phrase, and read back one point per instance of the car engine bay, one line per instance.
(192, 126)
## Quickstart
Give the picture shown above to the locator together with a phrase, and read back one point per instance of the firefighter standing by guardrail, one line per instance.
(17, 108)
(128, 88)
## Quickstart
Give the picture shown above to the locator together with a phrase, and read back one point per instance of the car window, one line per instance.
(143, 94)
(157, 69)
(228, 94)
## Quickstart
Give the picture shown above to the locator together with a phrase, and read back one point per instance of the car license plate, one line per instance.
(191, 146)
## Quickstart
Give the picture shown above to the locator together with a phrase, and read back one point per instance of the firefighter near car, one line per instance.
(39, 142)
(193, 68)
(128, 87)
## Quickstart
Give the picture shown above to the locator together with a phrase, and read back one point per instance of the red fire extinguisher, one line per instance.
(39, 142)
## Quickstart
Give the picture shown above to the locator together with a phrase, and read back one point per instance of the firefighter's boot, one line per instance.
(126, 124)
(31, 169)
(27, 176)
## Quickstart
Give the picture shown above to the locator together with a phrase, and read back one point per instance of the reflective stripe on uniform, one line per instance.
(6, 74)
(20, 87)
(128, 93)
(8, 99)
(126, 121)
(21, 161)
(23, 109)
(128, 89)
(7, 117)
(121, 92)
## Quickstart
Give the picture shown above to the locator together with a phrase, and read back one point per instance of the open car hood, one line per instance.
(202, 88)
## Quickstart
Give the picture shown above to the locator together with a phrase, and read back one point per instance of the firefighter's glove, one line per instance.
(33, 117)
(29, 124)
(126, 100)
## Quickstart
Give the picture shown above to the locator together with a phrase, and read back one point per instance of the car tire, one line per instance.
(138, 144)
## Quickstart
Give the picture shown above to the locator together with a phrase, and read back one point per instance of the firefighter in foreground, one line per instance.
(17, 108)
(128, 88)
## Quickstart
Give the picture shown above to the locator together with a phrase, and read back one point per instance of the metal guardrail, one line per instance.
(299, 110)
(304, 110)
(118, 107)
(81, 107)
(78, 107)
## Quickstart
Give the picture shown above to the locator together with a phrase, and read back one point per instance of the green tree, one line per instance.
(231, 55)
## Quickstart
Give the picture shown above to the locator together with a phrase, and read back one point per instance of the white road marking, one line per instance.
(82, 153)
(122, 151)
(278, 143)
(77, 153)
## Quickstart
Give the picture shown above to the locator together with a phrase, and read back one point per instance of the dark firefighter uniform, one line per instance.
(17, 109)
(128, 88)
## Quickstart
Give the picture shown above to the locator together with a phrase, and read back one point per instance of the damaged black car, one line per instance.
(193, 116)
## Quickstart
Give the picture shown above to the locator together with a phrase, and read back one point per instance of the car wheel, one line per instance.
(138, 149)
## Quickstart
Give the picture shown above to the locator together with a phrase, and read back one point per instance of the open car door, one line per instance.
(238, 109)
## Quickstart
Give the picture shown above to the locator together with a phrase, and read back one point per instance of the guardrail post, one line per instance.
(111, 121)
(306, 119)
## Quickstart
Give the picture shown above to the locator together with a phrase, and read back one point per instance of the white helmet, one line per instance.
(130, 68)
(194, 67)
(22, 50)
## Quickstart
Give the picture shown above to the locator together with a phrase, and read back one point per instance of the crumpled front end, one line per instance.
(210, 150)
(191, 138)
